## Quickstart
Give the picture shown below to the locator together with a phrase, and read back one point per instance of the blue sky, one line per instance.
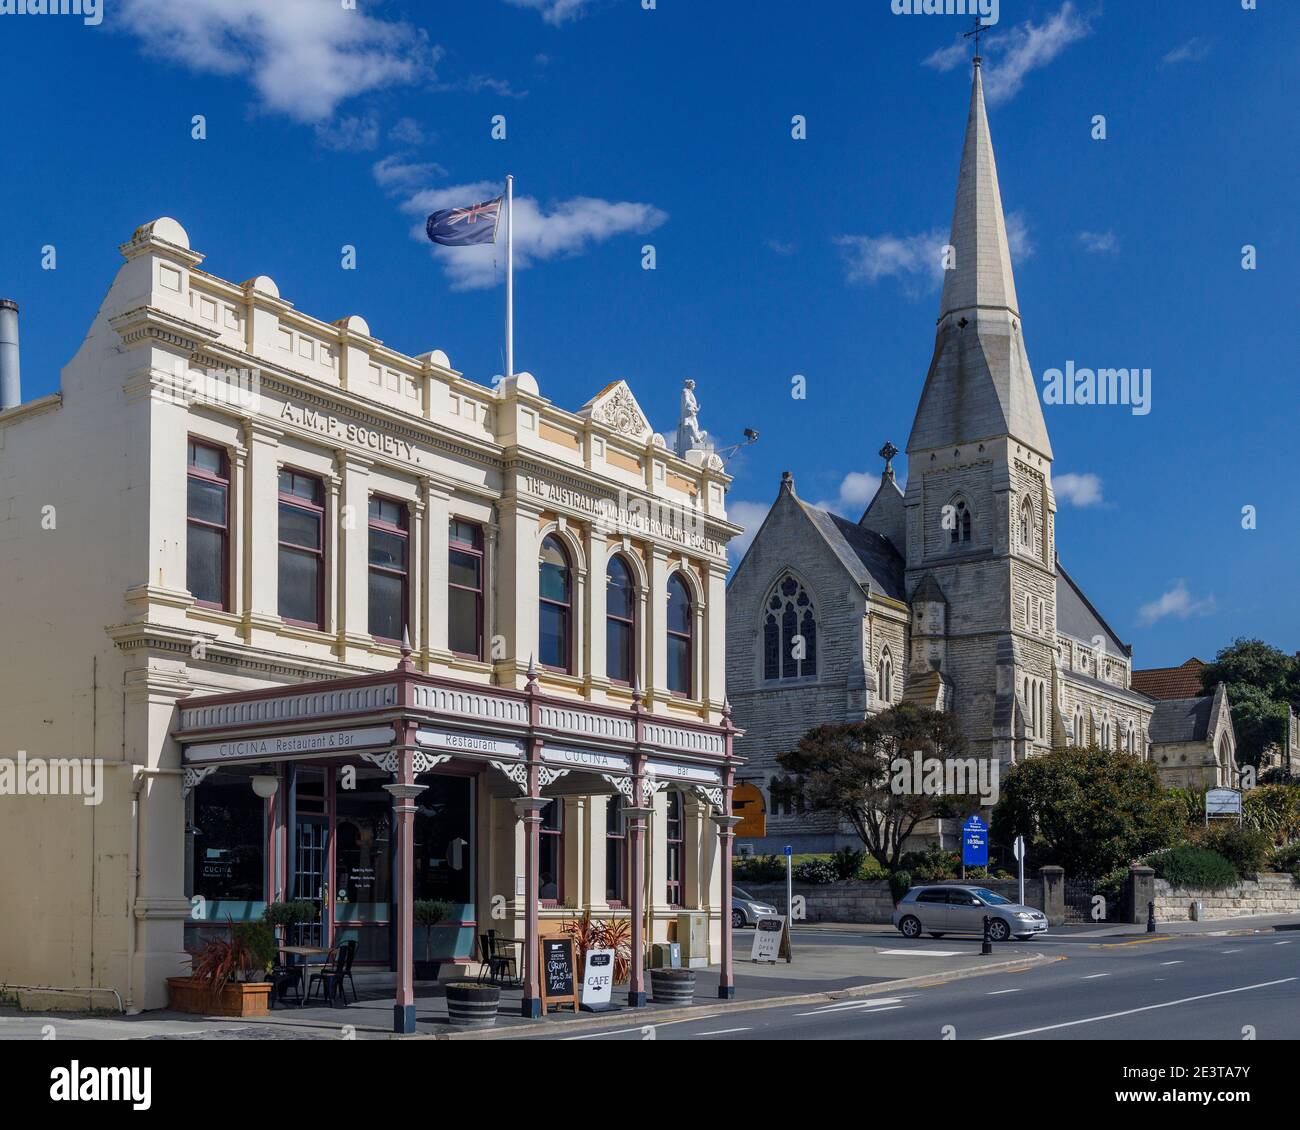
(775, 257)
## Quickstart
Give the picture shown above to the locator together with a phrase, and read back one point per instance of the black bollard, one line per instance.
(1151, 917)
(987, 947)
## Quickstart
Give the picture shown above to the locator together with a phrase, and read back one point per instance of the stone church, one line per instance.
(948, 594)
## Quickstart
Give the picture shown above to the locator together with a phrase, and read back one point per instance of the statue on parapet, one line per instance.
(690, 436)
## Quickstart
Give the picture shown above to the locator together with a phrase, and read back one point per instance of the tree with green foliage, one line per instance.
(849, 770)
(1087, 810)
(1262, 681)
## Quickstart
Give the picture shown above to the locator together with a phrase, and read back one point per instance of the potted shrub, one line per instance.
(429, 913)
(471, 1005)
(282, 916)
(228, 977)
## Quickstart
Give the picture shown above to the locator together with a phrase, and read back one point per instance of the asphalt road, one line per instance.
(1177, 988)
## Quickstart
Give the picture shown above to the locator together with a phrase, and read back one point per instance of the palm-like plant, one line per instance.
(614, 934)
(223, 960)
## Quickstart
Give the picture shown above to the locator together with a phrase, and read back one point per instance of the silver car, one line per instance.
(951, 909)
(747, 910)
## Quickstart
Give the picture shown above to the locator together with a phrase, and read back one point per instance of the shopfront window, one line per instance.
(550, 856)
(675, 833)
(615, 852)
(444, 840)
(363, 865)
(227, 835)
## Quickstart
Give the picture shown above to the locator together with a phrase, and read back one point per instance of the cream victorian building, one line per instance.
(342, 625)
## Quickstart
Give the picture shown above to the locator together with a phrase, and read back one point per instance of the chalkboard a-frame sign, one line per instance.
(559, 983)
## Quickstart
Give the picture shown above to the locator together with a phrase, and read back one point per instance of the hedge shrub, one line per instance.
(1194, 867)
(816, 872)
(1245, 848)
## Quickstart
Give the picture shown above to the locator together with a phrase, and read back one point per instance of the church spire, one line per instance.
(981, 276)
(980, 385)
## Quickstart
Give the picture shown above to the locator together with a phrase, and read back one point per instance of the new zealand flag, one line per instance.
(461, 227)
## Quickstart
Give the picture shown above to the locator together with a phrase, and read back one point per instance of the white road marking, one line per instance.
(999, 992)
(857, 1007)
(1230, 951)
(922, 953)
(1144, 1008)
(1094, 976)
(723, 1031)
(1178, 962)
(1286, 942)
(869, 1002)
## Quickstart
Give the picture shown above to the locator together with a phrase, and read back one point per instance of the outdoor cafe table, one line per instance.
(306, 953)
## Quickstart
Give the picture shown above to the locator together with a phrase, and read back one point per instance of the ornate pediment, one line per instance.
(616, 408)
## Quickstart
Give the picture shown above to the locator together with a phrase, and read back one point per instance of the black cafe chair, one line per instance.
(333, 973)
(505, 952)
(495, 964)
(282, 978)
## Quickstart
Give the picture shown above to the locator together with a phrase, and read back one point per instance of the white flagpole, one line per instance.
(510, 277)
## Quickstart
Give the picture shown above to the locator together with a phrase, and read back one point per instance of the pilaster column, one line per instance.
(433, 607)
(528, 809)
(416, 574)
(656, 625)
(354, 552)
(260, 522)
(636, 829)
(597, 560)
(726, 823)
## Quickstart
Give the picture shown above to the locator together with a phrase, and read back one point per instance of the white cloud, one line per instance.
(916, 259)
(1078, 489)
(397, 173)
(303, 57)
(857, 488)
(1176, 602)
(1100, 243)
(1024, 48)
(1193, 51)
(747, 514)
(554, 11)
(564, 228)
(351, 134)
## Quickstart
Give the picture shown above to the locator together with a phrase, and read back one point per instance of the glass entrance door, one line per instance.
(311, 843)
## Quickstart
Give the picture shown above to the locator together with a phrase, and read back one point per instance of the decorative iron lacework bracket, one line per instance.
(547, 776)
(649, 786)
(517, 771)
(192, 777)
(420, 762)
(712, 795)
(623, 784)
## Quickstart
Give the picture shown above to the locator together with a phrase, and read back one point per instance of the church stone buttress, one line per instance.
(980, 513)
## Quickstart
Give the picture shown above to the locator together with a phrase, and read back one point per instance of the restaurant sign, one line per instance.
(594, 759)
(287, 745)
(672, 771)
(460, 742)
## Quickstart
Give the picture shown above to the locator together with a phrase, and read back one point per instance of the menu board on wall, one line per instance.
(559, 984)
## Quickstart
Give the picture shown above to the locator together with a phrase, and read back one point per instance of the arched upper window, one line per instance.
(960, 521)
(1027, 524)
(1130, 738)
(1079, 736)
(620, 622)
(555, 607)
(885, 676)
(681, 628)
(789, 631)
(1105, 733)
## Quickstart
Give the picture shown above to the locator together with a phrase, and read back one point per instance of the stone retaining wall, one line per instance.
(1270, 893)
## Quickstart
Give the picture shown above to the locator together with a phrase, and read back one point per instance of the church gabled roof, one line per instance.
(1188, 719)
(870, 558)
(1077, 618)
(979, 384)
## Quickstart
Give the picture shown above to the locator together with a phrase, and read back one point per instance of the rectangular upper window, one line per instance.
(302, 549)
(207, 546)
(465, 589)
(389, 568)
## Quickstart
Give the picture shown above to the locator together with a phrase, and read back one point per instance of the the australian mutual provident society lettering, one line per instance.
(631, 514)
(284, 744)
(359, 434)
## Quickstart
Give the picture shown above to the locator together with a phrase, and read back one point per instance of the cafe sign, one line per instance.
(288, 745)
(594, 759)
(672, 771)
(460, 742)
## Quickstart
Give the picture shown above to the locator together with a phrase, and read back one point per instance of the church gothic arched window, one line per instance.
(885, 679)
(789, 631)
(960, 518)
(1027, 524)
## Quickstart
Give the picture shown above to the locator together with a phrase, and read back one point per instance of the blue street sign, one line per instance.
(975, 843)
(789, 850)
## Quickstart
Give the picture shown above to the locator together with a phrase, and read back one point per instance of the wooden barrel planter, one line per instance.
(672, 986)
(471, 1005)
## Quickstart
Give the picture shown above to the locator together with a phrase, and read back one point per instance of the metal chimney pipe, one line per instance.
(11, 392)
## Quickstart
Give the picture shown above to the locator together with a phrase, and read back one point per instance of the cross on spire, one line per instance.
(978, 30)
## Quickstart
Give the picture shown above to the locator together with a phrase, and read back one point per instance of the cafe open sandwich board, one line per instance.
(559, 982)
